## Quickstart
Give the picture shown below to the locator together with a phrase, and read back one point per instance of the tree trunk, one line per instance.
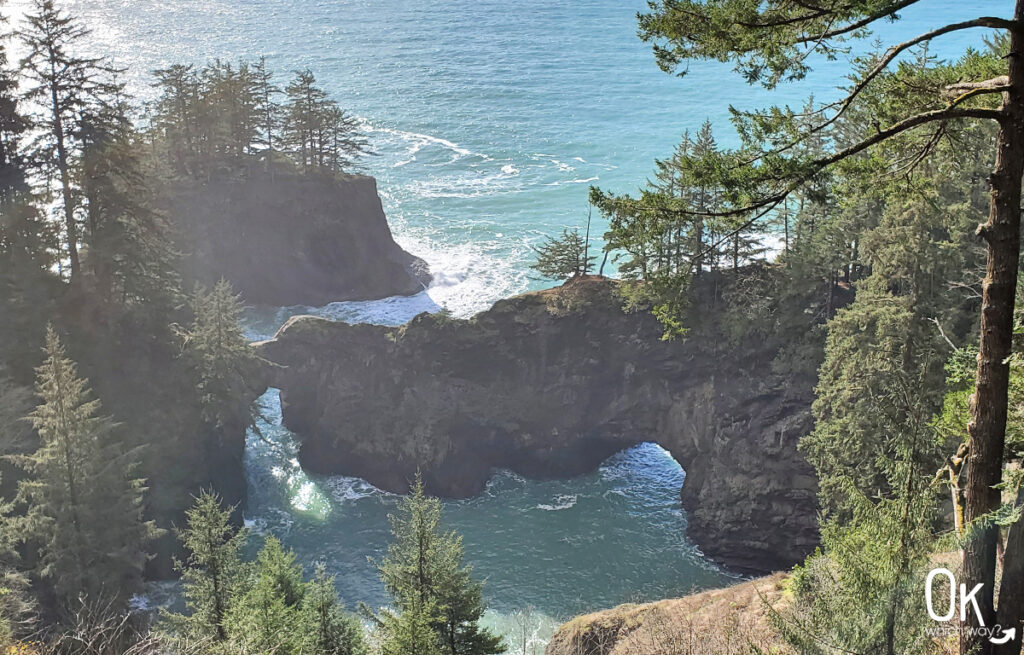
(64, 167)
(1011, 592)
(987, 426)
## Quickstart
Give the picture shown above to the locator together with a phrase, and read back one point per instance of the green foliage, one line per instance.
(221, 357)
(218, 119)
(318, 133)
(328, 629)
(563, 257)
(83, 504)
(65, 88)
(437, 603)
(213, 574)
(254, 607)
(862, 592)
(266, 618)
(129, 254)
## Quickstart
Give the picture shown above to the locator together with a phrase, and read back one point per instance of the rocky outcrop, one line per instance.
(550, 384)
(730, 621)
(292, 239)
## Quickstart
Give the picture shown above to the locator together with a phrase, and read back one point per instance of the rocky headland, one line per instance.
(550, 384)
(285, 238)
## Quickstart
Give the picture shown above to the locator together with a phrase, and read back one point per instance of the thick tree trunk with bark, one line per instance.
(987, 426)
(1011, 593)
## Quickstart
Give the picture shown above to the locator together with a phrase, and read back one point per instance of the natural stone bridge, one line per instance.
(550, 384)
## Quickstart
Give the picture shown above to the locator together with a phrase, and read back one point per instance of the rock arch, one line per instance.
(550, 384)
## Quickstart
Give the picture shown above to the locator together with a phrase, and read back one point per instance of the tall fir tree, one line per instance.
(329, 630)
(430, 586)
(563, 257)
(129, 256)
(266, 618)
(27, 242)
(212, 575)
(84, 507)
(221, 357)
(64, 85)
(317, 131)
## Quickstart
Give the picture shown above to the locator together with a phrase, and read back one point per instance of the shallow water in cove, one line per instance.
(490, 120)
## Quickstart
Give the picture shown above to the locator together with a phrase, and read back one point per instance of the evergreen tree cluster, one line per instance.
(263, 606)
(876, 201)
(266, 605)
(88, 279)
(221, 118)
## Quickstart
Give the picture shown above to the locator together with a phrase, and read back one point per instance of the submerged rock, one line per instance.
(550, 384)
(292, 239)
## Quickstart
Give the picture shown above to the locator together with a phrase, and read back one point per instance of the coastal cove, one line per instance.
(557, 547)
(470, 195)
(319, 310)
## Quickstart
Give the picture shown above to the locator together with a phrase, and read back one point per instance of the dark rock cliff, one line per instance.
(550, 384)
(289, 239)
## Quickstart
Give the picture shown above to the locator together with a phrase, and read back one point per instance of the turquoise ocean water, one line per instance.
(490, 120)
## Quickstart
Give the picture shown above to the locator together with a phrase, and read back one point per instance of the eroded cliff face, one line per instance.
(550, 384)
(292, 239)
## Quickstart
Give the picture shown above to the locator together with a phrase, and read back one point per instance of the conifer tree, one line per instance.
(27, 242)
(410, 631)
(213, 574)
(328, 629)
(64, 85)
(130, 258)
(266, 618)
(563, 257)
(84, 505)
(15, 605)
(15, 404)
(267, 109)
(175, 117)
(774, 41)
(439, 604)
(318, 133)
(221, 356)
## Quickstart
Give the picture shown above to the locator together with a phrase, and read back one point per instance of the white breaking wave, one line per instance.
(576, 181)
(419, 141)
(347, 489)
(561, 501)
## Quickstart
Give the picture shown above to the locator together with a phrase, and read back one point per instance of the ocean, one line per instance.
(489, 121)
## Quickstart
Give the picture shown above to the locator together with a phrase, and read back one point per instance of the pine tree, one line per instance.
(412, 631)
(84, 507)
(430, 586)
(461, 598)
(213, 575)
(563, 257)
(129, 255)
(175, 117)
(15, 603)
(328, 629)
(64, 85)
(862, 593)
(15, 437)
(27, 242)
(221, 357)
(319, 134)
(266, 618)
(268, 110)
